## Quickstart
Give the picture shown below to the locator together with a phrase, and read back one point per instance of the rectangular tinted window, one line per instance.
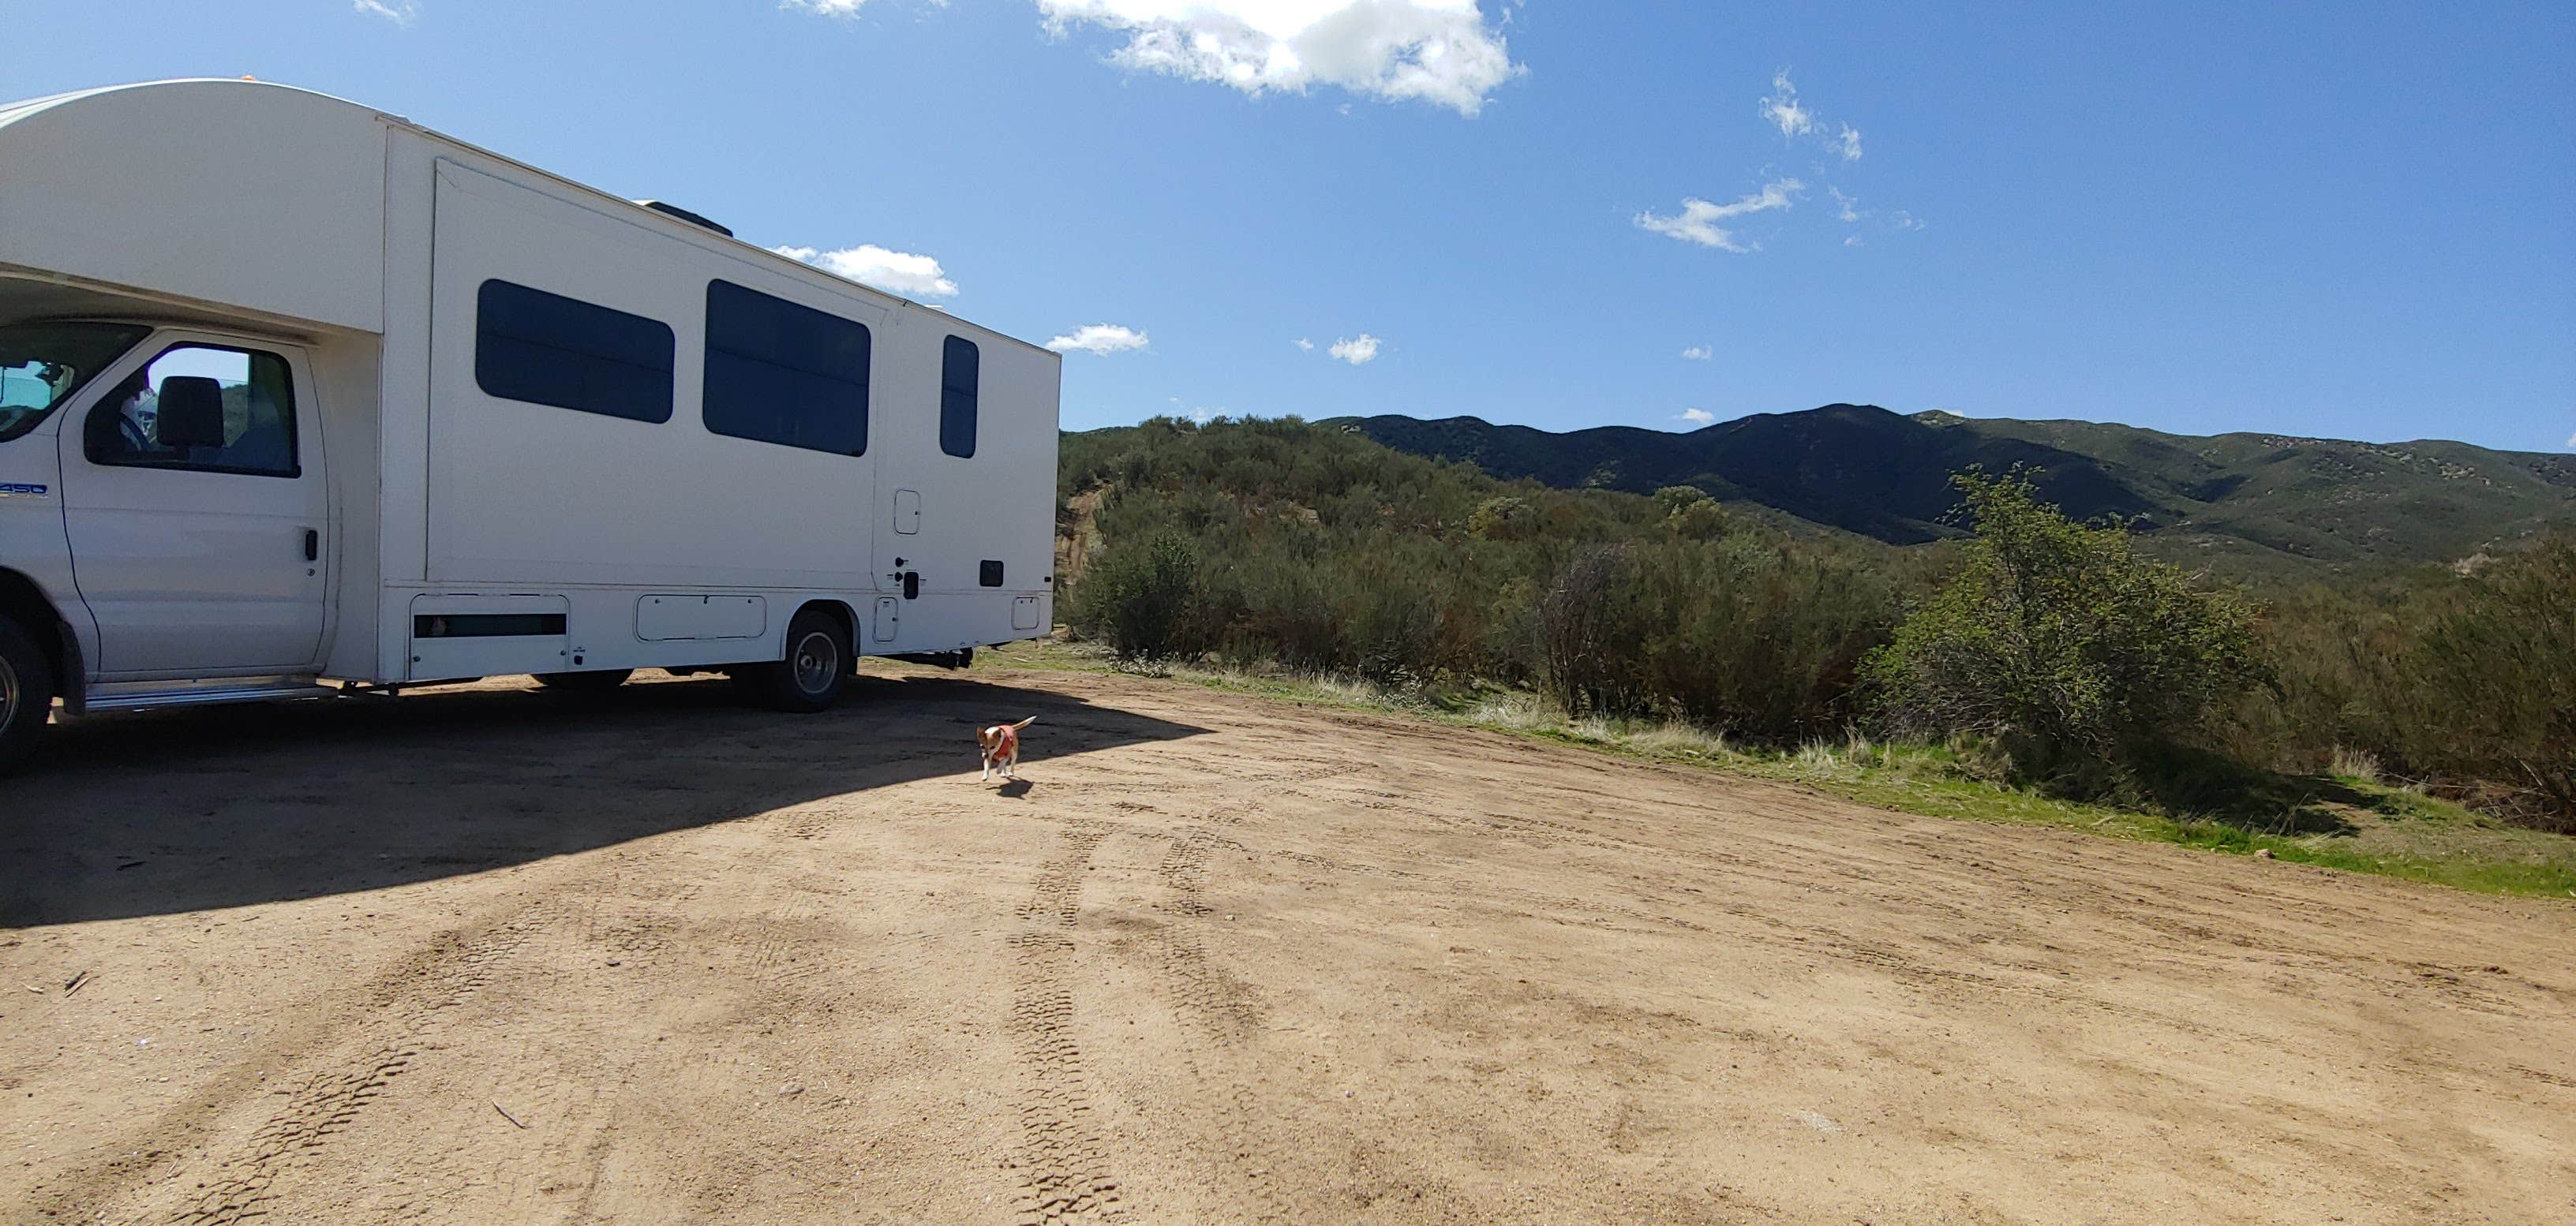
(239, 417)
(548, 349)
(959, 372)
(786, 374)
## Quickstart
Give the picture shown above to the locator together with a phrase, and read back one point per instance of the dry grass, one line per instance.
(2354, 764)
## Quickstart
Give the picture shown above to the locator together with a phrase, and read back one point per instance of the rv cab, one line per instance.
(190, 478)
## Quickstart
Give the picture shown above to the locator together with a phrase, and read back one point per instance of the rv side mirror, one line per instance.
(192, 412)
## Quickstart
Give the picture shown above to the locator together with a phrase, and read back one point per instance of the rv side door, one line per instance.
(198, 517)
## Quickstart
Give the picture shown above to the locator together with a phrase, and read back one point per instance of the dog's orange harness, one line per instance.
(1006, 744)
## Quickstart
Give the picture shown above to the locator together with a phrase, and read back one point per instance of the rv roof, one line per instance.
(254, 245)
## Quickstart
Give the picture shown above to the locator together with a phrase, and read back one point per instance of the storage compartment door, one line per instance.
(460, 636)
(665, 618)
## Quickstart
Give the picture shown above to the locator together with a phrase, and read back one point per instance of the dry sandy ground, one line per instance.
(491, 956)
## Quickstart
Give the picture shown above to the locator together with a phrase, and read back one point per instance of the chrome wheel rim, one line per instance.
(8, 692)
(817, 661)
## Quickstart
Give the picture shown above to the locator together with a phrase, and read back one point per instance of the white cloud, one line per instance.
(1697, 353)
(2571, 441)
(1436, 51)
(1697, 222)
(901, 272)
(1101, 339)
(399, 12)
(1304, 345)
(1783, 110)
(1696, 417)
(828, 8)
(1846, 208)
(1358, 350)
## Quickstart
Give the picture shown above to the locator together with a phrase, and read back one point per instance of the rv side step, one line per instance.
(151, 695)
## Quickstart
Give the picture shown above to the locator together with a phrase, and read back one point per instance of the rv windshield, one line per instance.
(42, 364)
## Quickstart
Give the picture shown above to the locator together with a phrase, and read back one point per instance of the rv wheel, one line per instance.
(817, 663)
(26, 694)
(595, 681)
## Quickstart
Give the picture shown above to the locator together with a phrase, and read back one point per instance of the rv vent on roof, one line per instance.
(684, 215)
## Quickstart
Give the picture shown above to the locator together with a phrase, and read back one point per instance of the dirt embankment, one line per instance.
(495, 956)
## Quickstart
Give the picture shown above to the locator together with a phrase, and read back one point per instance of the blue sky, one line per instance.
(2343, 220)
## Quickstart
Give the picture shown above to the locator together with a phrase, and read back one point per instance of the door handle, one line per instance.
(312, 545)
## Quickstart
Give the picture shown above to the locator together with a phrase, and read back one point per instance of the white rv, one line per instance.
(295, 394)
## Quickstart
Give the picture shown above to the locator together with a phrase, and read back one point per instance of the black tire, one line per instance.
(812, 676)
(596, 681)
(26, 695)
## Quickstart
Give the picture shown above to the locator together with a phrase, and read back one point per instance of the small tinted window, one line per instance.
(782, 373)
(959, 372)
(203, 408)
(548, 349)
(42, 364)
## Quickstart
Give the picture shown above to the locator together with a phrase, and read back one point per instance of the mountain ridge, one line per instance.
(2257, 499)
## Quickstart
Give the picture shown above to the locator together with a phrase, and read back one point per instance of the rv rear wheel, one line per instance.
(26, 694)
(596, 681)
(811, 677)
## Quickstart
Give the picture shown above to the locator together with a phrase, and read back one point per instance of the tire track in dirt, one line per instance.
(397, 1015)
(556, 1084)
(331, 1098)
(1220, 1016)
(1061, 1162)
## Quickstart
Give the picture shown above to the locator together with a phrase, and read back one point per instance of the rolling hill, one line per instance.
(2254, 502)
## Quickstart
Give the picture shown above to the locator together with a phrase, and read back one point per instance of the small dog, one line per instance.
(1001, 747)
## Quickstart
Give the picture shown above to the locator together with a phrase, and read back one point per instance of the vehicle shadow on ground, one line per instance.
(222, 807)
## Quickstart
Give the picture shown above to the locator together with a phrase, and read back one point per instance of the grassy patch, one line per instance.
(2349, 820)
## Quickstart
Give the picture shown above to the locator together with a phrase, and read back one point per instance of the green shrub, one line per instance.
(1580, 621)
(1691, 513)
(2061, 641)
(1138, 596)
(2498, 673)
(1502, 518)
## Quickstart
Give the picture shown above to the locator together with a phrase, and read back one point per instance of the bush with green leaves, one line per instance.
(1139, 595)
(2498, 679)
(2062, 642)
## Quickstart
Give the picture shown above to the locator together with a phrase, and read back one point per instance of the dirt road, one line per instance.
(492, 956)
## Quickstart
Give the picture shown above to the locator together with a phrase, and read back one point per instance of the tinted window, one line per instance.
(42, 364)
(959, 371)
(245, 406)
(786, 374)
(548, 349)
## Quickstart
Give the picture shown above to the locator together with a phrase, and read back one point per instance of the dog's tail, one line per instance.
(1024, 723)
